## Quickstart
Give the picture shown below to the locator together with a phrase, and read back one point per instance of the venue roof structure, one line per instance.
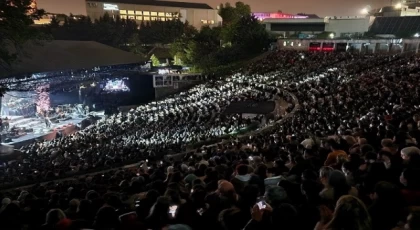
(60, 55)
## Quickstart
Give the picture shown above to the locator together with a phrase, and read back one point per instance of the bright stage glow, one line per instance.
(163, 71)
(364, 11)
(116, 85)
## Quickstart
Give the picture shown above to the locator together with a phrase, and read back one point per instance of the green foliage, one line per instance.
(213, 50)
(177, 60)
(120, 33)
(324, 35)
(247, 33)
(155, 60)
(232, 14)
(54, 22)
(16, 18)
(134, 45)
(241, 36)
(164, 32)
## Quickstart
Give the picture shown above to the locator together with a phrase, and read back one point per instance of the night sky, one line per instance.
(319, 7)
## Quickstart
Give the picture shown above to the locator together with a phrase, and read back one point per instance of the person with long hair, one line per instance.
(54, 216)
(350, 214)
(324, 174)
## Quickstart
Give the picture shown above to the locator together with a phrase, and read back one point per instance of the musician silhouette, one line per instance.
(47, 122)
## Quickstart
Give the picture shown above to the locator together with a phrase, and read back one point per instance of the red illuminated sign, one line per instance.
(277, 15)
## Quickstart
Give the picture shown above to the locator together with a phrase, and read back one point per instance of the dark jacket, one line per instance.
(239, 182)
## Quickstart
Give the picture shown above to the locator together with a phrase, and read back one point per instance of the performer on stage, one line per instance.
(47, 122)
(86, 110)
(5, 124)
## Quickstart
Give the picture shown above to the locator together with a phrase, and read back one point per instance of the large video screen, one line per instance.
(116, 85)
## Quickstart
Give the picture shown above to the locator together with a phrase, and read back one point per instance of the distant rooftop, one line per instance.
(158, 3)
(59, 55)
(308, 15)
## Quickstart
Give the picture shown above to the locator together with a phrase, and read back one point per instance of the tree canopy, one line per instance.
(120, 33)
(232, 14)
(241, 36)
(16, 18)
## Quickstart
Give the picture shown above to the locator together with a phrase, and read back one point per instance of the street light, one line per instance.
(331, 35)
(398, 5)
(416, 35)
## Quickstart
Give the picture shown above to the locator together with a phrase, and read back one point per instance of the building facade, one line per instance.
(410, 1)
(347, 26)
(197, 14)
(403, 9)
(354, 45)
(295, 26)
(410, 10)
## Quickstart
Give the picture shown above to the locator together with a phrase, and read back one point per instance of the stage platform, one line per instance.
(40, 130)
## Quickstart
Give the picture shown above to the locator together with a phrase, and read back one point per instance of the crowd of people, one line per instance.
(169, 125)
(347, 157)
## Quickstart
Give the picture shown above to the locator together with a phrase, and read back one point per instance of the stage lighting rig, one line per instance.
(65, 79)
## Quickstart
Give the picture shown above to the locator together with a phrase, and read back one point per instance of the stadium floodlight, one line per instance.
(398, 5)
(364, 11)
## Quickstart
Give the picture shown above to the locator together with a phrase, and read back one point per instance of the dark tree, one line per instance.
(16, 18)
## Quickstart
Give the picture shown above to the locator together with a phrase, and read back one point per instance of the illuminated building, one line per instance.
(197, 14)
(405, 8)
(277, 15)
(47, 18)
(410, 1)
(346, 26)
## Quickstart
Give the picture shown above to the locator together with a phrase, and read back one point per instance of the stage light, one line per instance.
(56, 79)
(364, 11)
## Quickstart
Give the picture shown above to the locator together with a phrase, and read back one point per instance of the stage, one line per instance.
(40, 131)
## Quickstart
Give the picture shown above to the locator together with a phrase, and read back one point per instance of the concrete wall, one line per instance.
(340, 26)
(405, 11)
(202, 17)
(347, 25)
(361, 45)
